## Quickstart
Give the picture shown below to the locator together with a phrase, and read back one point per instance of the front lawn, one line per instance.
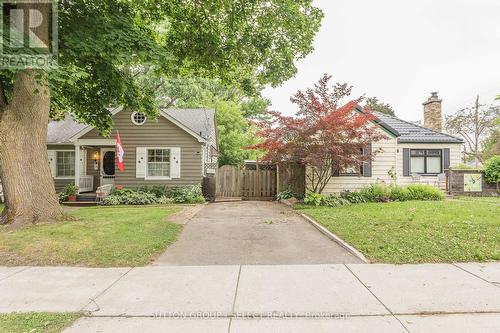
(459, 230)
(98, 237)
(36, 322)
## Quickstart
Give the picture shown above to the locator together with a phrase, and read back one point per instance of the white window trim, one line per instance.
(147, 165)
(63, 150)
(133, 120)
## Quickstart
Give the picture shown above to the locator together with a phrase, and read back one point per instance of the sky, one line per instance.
(400, 51)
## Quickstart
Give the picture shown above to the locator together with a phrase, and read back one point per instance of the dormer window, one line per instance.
(138, 118)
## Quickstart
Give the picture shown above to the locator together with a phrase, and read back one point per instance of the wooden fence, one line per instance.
(258, 184)
(246, 184)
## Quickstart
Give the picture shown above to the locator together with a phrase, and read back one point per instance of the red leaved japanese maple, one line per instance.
(323, 135)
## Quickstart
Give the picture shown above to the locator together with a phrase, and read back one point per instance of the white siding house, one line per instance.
(410, 153)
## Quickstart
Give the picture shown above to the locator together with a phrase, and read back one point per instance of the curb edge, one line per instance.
(335, 238)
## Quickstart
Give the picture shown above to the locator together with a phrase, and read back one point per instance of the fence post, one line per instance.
(258, 178)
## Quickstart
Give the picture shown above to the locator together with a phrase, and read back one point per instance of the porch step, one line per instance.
(86, 197)
(80, 203)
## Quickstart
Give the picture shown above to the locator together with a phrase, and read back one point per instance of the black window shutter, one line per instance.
(446, 158)
(367, 166)
(406, 161)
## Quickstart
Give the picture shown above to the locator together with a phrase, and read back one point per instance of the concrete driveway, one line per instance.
(250, 233)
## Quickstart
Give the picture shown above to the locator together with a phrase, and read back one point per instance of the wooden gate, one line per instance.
(245, 184)
(228, 182)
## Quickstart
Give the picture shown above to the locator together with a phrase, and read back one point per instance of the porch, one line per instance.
(94, 165)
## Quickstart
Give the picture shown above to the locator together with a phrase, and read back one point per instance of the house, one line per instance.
(410, 153)
(178, 148)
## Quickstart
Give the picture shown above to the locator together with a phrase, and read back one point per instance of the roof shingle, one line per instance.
(412, 133)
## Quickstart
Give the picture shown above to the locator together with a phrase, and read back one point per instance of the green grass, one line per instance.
(459, 230)
(35, 322)
(98, 237)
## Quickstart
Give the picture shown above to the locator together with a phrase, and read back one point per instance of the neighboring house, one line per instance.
(178, 148)
(411, 153)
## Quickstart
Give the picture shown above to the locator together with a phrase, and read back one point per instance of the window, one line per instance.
(353, 170)
(65, 164)
(138, 118)
(158, 163)
(425, 161)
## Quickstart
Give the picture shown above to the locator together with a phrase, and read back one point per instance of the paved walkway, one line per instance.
(249, 233)
(259, 298)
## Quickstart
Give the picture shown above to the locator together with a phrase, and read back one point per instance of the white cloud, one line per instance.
(400, 51)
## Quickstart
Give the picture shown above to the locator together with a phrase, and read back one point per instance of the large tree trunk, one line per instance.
(24, 170)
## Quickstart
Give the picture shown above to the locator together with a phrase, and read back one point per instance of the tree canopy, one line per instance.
(104, 44)
(234, 110)
(491, 145)
(474, 124)
(374, 104)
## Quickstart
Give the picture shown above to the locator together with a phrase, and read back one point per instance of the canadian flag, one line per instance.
(119, 152)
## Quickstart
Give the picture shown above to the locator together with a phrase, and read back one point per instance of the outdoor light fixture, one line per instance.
(95, 157)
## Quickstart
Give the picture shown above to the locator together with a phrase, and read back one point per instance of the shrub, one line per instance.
(130, 197)
(186, 194)
(62, 196)
(492, 171)
(112, 200)
(283, 195)
(313, 198)
(375, 193)
(334, 201)
(121, 191)
(424, 192)
(352, 197)
(157, 194)
(399, 193)
(158, 190)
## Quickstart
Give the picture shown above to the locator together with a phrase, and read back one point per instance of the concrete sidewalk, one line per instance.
(287, 298)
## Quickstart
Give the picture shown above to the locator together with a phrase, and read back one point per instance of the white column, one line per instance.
(77, 167)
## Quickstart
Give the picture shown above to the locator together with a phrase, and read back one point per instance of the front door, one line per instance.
(107, 166)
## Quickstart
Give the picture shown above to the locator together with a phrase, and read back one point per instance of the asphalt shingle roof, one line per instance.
(199, 121)
(61, 131)
(412, 133)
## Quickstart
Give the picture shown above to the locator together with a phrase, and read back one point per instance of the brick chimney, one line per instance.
(432, 112)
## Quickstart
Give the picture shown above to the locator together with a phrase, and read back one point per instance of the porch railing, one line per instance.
(86, 184)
